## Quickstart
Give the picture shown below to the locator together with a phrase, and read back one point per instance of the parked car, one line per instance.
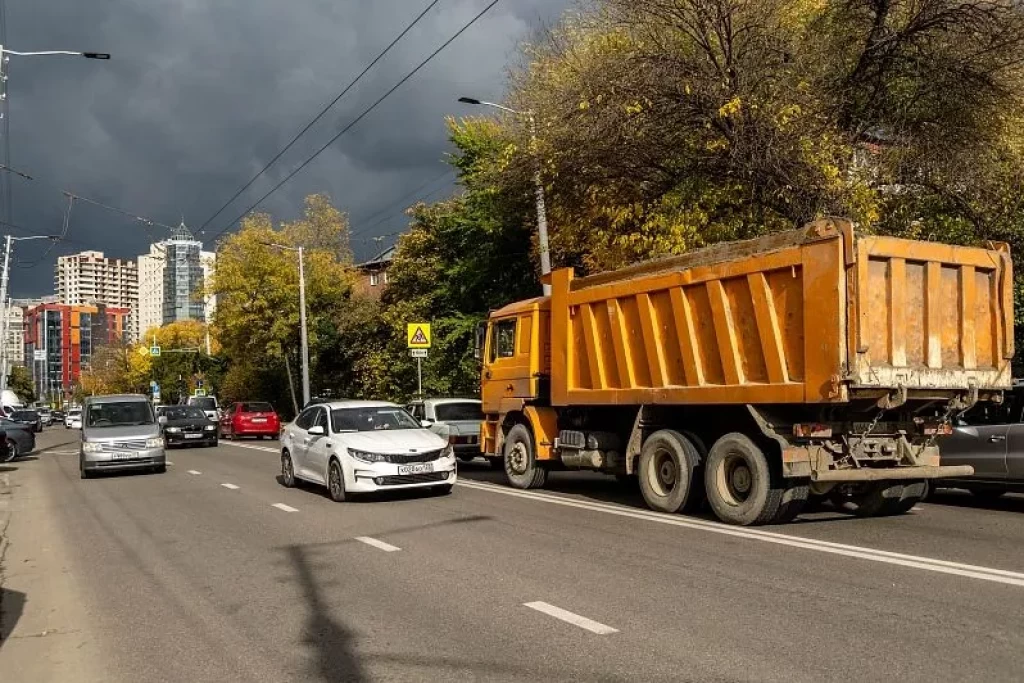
(250, 418)
(73, 419)
(363, 446)
(58, 416)
(188, 425)
(120, 433)
(455, 419)
(30, 418)
(208, 404)
(19, 439)
(990, 438)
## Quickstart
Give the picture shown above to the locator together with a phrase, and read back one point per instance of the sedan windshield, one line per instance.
(119, 414)
(256, 408)
(453, 412)
(371, 419)
(204, 402)
(184, 413)
(30, 415)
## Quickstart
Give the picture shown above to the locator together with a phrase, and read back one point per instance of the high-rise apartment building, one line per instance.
(172, 277)
(88, 279)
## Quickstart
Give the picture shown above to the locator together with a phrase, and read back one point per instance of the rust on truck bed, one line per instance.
(804, 316)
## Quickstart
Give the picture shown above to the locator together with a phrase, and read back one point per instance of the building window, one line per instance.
(374, 279)
(385, 277)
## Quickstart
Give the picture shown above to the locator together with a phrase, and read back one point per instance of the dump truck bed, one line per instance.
(816, 315)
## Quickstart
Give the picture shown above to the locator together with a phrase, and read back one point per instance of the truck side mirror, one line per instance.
(479, 338)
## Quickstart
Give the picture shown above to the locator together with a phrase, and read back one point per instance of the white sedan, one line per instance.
(364, 446)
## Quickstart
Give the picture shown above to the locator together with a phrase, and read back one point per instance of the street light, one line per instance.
(542, 214)
(4, 277)
(302, 318)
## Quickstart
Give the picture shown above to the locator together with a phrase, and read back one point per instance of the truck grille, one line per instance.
(398, 480)
(125, 446)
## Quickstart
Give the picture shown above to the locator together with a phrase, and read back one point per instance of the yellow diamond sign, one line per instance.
(418, 335)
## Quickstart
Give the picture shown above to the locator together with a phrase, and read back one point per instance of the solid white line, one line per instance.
(286, 508)
(572, 618)
(386, 547)
(1004, 576)
(194, 472)
(229, 486)
(265, 449)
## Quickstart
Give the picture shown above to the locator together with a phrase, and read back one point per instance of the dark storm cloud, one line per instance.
(201, 93)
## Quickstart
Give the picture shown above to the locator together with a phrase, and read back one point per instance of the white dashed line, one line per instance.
(169, 463)
(229, 486)
(381, 545)
(572, 618)
(194, 472)
(1004, 576)
(265, 449)
(286, 508)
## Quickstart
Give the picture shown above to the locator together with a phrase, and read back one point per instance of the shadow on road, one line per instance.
(964, 499)
(12, 603)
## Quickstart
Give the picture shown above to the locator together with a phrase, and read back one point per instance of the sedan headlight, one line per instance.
(210, 428)
(155, 442)
(91, 447)
(367, 457)
(448, 451)
(173, 430)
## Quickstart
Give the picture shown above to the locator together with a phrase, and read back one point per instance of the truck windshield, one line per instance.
(371, 419)
(119, 414)
(454, 412)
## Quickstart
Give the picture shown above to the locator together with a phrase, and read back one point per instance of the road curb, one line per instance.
(5, 520)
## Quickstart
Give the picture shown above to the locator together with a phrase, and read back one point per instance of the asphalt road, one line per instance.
(177, 577)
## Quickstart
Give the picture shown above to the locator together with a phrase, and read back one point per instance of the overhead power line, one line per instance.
(399, 204)
(363, 115)
(320, 115)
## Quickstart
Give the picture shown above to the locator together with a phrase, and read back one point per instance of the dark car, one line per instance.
(20, 439)
(58, 416)
(187, 425)
(28, 417)
(990, 438)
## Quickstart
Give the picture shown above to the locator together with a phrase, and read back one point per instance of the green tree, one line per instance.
(21, 383)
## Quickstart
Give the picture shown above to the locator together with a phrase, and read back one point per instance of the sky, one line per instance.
(200, 94)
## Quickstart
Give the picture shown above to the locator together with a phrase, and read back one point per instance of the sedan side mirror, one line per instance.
(426, 423)
(316, 430)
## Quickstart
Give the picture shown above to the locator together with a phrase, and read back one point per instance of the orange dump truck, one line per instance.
(754, 374)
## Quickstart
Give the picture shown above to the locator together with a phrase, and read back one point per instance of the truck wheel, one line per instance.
(869, 499)
(743, 487)
(669, 467)
(913, 493)
(521, 466)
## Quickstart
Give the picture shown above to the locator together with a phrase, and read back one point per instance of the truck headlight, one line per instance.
(155, 442)
(367, 457)
(91, 447)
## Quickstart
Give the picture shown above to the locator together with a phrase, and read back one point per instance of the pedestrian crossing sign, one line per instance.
(418, 335)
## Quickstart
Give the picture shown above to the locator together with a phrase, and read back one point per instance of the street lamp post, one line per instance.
(302, 318)
(4, 278)
(542, 214)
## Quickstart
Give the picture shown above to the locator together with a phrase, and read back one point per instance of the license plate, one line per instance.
(193, 436)
(124, 456)
(259, 419)
(416, 469)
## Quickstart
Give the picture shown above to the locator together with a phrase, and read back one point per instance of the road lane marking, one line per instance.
(381, 545)
(572, 618)
(229, 486)
(286, 508)
(169, 463)
(265, 449)
(1011, 578)
(194, 472)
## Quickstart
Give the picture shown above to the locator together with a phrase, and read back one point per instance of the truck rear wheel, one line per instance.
(744, 487)
(668, 472)
(521, 465)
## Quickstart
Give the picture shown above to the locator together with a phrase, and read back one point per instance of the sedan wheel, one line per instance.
(336, 482)
(12, 450)
(287, 471)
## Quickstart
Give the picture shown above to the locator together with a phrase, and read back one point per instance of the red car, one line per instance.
(250, 418)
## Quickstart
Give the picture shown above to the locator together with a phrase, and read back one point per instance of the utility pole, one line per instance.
(3, 297)
(302, 321)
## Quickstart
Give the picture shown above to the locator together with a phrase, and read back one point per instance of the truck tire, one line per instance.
(669, 472)
(869, 499)
(521, 466)
(745, 488)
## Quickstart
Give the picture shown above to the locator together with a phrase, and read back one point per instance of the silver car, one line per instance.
(990, 438)
(455, 419)
(120, 433)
